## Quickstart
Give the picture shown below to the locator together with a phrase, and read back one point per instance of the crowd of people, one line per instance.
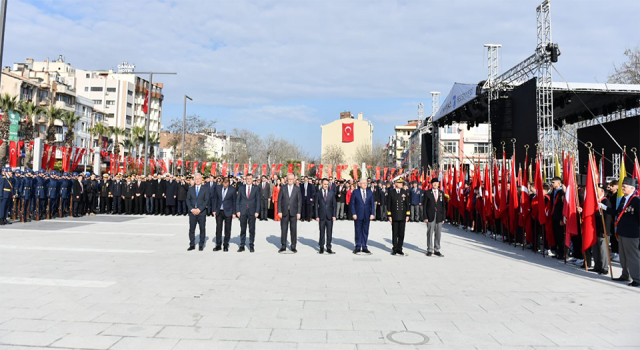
(38, 195)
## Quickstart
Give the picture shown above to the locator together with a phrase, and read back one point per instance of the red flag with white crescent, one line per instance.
(347, 132)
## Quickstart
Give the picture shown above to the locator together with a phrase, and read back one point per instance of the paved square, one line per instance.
(100, 283)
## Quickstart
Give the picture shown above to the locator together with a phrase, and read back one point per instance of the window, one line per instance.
(129, 105)
(482, 148)
(87, 76)
(96, 88)
(129, 92)
(97, 102)
(128, 119)
(450, 129)
(86, 88)
(450, 147)
(110, 103)
(110, 115)
(111, 89)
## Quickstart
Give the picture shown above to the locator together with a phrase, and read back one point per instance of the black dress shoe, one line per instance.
(620, 279)
(356, 251)
(281, 250)
(429, 254)
(241, 249)
(634, 284)
(393, 252)
(226, 249)
(294, 250)
(201, 248)
(366, 251)
(595, 270)
(251, 250)
(321, 251)
(217, 248)
(438, 254)
(191, 248)
(400, 253)
(603, 272)
(329, 251)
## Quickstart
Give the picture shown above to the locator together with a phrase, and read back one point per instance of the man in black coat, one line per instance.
(128, 194)
(105, 197)
(434, 213)
(265, 197)
(160, 193)
(325, 215)
(197, 199)
(341, 201)
(117, 191)
(171, 193)
(398, 211)
(557, 217)
(627, 222)
(92, 195)
(289, 208)
(78, 194)
(308, 193)
(150, 193)
(225, 206)
(248, 209)
(212, 185)
(139, 200)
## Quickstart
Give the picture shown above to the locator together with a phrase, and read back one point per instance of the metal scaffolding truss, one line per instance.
(435, 148)
(544, 90)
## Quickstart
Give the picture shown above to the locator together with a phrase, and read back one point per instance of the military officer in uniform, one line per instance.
(65, 193)
(41, 194)
(105, 199)
(398, 213)
(52, 194)
(5, 197)
(27, 194)
(116, 193)
(128, 194)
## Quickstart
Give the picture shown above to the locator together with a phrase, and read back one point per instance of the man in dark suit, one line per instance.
(289, 208)
(557, 198)
(150, 193)
(171, 193)
(197, 199)
(416, 202)
(139, 200)
(398, 212)
(434, 213)
(248, 209)
(225, 205)
(77, 193)
(308, 193)
(160, 197)
(362, 211)
(265, 197)
(325, 215)
(212, 185)
(341, 201)
(627, 222)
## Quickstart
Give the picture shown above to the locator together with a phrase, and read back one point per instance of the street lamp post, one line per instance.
(184, 129)
(3, 18)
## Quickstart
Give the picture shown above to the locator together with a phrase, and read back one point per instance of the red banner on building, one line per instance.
(213, 168)
(264, 170)
(224, 169)
(377, 173)
(253, 170)
(290, 168)
(236, 169)
(319, 172)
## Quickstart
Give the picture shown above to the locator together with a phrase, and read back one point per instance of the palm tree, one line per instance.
(69, 119)
(137, 136)
(8, 104)
(154, 139)
(115, 131)
(30, 111)
(51, 114)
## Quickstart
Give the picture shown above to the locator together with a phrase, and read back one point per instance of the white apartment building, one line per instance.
(84, 109)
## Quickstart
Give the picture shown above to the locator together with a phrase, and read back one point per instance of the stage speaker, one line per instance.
(501, 123)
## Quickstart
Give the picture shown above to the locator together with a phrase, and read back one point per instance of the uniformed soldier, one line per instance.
(105, 198)
(128, 194)
(41, 194)
(116, 194)
(92, 194)
(5, 197)
(18, 193)
(12, 182)
(65, 193)
(52, 194)
(398, 213)
(27, 195)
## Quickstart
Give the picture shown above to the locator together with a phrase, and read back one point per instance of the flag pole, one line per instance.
(604, 226)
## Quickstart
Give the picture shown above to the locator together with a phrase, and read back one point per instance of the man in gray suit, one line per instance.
(265, 197)
(289, 208)
(247, 209)
(434, 214)
(197, 200)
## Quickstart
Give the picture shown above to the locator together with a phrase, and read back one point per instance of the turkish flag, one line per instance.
(224, 169)
(319, 172)
(245, 169)
(355, 172)
(204, 165)
(253, 169)
(213, 169)
(330, 170)
(13, 154)
(590, 207)
(145, 105)
(377, 173)
(290, 168)
(347, 132)
(264, 169)
(236, 169)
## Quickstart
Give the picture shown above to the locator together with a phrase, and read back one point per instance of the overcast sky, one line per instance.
(286, 67)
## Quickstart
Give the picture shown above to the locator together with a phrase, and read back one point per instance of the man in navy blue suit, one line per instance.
(225, 206)
(308, 194)
(325, 215)
(248, 209)
(363, 211)
(197, 199)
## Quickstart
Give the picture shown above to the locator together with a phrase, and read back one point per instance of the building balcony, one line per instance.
(64, 89)
(65, 106)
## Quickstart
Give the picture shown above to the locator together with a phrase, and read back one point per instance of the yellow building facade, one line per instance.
(332, 134)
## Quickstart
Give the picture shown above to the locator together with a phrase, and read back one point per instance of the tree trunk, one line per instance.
(3, 152)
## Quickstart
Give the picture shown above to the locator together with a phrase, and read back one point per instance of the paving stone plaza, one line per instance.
(123, 282)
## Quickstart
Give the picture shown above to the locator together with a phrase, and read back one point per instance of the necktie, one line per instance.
(325, 195)
(197, 191)
(248, 191)
(364, 196)
(224, 193)
(435, 194)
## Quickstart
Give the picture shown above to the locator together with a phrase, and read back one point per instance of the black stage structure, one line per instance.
(513, 116)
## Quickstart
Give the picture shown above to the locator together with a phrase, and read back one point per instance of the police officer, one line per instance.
(398, 213)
